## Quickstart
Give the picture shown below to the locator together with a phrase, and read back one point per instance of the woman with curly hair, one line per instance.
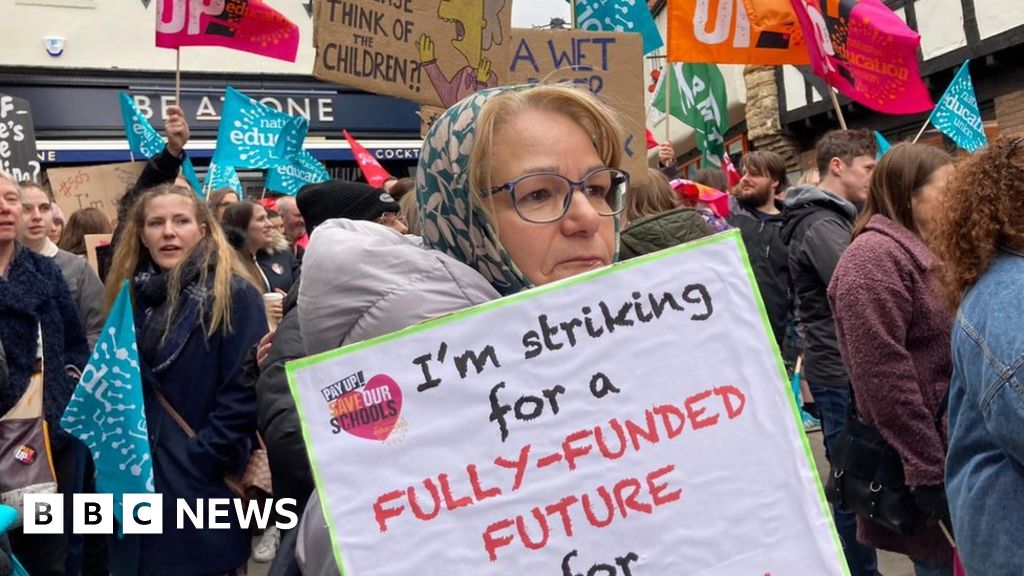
(979, 237)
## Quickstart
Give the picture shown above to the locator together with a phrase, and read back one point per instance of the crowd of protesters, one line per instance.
(898, 281)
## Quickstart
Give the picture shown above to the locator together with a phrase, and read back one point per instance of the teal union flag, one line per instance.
(254, 135)
(303, 169)
(145, 142)
(107, 412)
(957, 115)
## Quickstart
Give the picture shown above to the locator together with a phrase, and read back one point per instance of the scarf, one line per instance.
(160, 343)
(451, 222)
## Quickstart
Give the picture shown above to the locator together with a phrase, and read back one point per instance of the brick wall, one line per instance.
(1010, 113)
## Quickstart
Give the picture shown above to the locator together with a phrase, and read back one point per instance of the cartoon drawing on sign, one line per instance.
(477, 29)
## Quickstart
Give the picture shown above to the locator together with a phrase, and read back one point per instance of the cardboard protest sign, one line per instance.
(18, 139)
(636, 418)
(93, 186)
(433, 52)
(606, 63)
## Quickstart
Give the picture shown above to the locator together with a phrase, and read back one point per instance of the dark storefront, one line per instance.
(78, 120)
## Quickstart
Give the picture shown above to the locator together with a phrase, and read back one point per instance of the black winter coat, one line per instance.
(817, 230)
(278, 417)
(281, 268)
(769, 257)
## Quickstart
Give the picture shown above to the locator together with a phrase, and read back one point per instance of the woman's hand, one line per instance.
(263, 348)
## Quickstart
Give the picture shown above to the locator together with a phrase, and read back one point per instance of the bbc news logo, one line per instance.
(144, 513)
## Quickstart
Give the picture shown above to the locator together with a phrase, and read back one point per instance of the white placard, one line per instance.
(634, 420)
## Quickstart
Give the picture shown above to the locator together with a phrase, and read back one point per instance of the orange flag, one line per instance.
(735, 32)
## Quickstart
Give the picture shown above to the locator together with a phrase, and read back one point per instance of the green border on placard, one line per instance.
(788, 389)
(728, 236)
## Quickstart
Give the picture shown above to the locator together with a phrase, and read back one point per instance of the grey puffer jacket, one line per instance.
(361, 280)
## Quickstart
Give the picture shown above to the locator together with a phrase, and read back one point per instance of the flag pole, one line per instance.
(575, 24)
(835, 104)
(177, 77)
(921, 131)
(668, 100)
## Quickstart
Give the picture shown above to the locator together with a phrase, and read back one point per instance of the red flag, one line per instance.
(246, 25)
(732, 175)
(374, 173)
(866, 52)
(652, 142)
(716, 199)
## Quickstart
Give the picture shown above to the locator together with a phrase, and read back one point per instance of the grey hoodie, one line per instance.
(361, 280)
(817, 230)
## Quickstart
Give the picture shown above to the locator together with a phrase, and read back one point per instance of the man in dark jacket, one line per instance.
(758, 215)
(817, 228)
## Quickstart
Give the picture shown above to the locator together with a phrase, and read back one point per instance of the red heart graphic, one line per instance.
(373, 411)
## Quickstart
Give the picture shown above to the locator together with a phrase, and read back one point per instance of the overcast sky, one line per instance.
(529, 13)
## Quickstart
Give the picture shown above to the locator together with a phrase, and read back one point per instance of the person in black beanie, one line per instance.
(278, 418)
(353, 200)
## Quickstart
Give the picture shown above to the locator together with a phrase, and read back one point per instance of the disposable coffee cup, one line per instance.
(268, 299)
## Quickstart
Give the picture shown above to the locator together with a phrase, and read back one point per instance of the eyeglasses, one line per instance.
(545, 197)
(389, 218)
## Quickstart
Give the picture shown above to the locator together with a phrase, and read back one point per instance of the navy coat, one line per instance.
(205, 385)
(281, 268)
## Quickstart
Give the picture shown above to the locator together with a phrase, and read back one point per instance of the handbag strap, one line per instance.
(236, 487)
(173, 413)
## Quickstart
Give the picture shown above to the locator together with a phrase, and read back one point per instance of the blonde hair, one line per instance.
(599, 121)
(654, 197)
(218, 258)
(411, 211)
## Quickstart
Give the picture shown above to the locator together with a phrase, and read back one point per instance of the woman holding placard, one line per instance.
(893, 330)
(497, 189)
(196, 318)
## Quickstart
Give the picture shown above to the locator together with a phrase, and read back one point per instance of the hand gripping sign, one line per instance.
(632, 420)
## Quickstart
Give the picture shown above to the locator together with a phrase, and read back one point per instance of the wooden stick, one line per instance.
(921, 131)
(177, 77)
(667, 70)
(835, 104)
(945, 532)
(575, 24)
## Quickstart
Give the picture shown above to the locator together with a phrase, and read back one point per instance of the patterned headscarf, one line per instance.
(451, 222)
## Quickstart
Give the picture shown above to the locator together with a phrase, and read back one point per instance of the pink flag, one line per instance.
(717, 200)
(374, 173)
(866, 52)
(246, 25)
(731, 174)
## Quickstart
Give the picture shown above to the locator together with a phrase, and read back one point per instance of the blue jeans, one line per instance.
(833, 403)
(922, 568)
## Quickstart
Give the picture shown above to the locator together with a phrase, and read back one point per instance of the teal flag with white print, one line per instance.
(145, 142)
(107, 412)
(957, 115)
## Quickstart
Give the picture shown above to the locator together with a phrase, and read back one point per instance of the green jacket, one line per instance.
(670, 228)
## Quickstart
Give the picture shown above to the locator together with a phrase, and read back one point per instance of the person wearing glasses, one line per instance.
(979, 237)
(517, 187)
